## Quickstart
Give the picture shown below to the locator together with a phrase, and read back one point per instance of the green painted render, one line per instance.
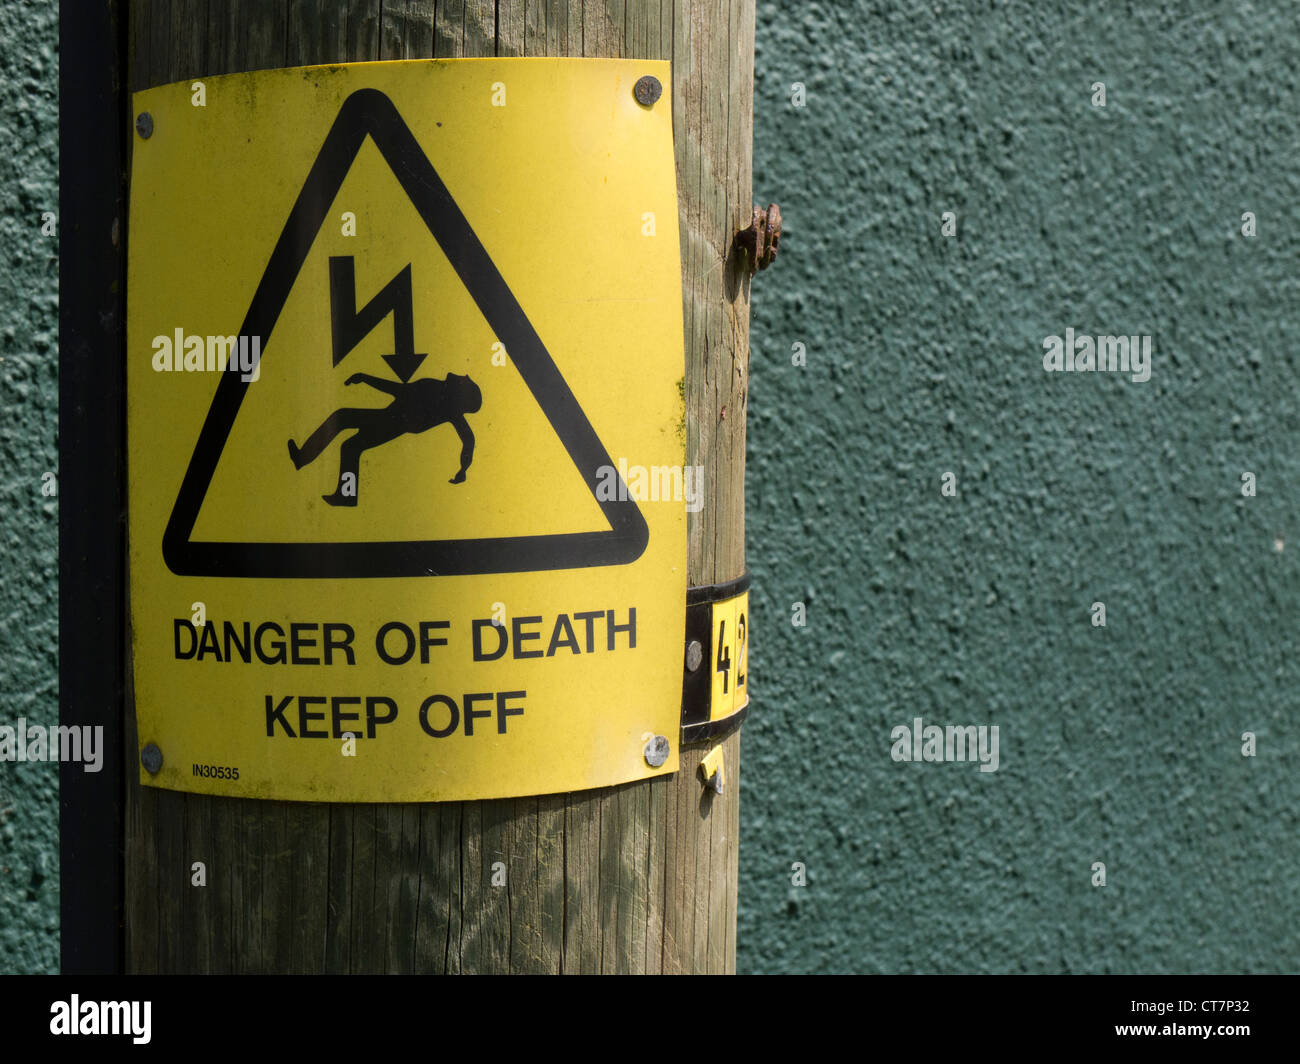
(924, 355)
(29, 527)
(1119, 744)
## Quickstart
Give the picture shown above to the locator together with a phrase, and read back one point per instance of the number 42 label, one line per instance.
(730, 657)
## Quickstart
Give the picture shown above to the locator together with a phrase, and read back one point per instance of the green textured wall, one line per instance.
(1119, 744)
(29, 378)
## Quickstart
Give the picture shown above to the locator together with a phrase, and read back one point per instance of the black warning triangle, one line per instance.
(369, 112)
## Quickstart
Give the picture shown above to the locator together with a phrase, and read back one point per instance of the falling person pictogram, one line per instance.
(417, 406)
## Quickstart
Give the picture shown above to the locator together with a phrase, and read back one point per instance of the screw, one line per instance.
(694, 655)
(656, 751)
(144, 124)
(151, 758)
(647, 90)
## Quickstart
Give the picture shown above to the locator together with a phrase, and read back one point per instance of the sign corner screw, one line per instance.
(144, 125)
(151, 758)
(656, 751)
(647, 90)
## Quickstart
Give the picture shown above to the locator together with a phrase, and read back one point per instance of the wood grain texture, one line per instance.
(636, 878)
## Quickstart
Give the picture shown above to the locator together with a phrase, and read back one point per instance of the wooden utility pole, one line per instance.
(634, 878)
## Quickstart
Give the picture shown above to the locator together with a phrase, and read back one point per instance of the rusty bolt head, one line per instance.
(151, 758)
(694, 655)
(762, 239)
(773, 236)
(647, 90)
(656, 751)
(144, 124)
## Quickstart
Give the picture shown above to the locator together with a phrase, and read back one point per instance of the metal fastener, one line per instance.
(656, 751)
(647, 90)
(694, 655)
(144, 124)
(761, 240)
(151, 758)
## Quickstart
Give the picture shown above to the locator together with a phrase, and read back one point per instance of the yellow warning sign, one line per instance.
(406, 437)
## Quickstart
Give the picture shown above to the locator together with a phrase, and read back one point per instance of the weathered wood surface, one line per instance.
(635, 878)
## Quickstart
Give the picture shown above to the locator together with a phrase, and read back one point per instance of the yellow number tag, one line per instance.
(730, 663)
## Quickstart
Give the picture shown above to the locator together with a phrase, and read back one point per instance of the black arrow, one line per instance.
(404, 363)
(350, 326)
